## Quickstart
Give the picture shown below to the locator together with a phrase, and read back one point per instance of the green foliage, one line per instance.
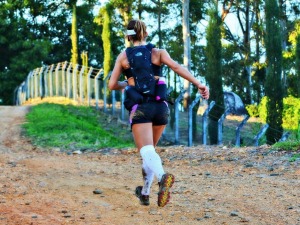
(46, 25)
(74, 36)
(258, 78)
(214, 57)
(295, 157)
(37, 33)
(214, 71)
(106, 38)
(287, 146)
(197, 10)
(15, 62)
(273, 86)
(252, 110)
(125, 8)
(262, 109)
(291, 58)
(89, 33)
(290, 114)
(69, 127)
(298, 65)
(290, 146)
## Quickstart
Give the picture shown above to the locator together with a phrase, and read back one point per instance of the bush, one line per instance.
(252, 110)
(287, 146)
(262, 109)
(291, 112)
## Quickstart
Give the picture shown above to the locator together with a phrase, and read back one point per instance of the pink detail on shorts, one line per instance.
(133, 109)
(157, 98)
(161, 82)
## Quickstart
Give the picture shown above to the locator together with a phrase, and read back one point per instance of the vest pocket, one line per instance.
(132, 97)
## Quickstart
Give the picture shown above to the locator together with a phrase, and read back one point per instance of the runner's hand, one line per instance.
(204, 91)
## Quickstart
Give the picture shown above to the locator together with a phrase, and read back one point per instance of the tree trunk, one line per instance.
(159, 25)
(187, 48)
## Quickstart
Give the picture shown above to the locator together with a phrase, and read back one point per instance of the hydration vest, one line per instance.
(139, 58)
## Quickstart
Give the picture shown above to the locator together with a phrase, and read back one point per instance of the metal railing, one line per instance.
(64, 79)
(88, 86)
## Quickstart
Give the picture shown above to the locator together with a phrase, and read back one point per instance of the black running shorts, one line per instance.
(153, 112)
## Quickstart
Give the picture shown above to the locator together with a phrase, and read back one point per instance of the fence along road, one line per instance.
(88, 86)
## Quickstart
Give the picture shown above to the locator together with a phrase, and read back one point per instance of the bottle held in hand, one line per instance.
(161, 90)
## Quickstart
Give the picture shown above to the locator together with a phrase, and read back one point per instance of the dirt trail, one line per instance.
(214, 185)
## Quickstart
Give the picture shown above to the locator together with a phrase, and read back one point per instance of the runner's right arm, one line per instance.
(183, 72)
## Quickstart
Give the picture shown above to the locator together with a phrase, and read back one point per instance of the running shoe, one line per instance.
(165, 184)
(144, 199)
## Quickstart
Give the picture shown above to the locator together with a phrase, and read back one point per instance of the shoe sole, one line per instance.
(138, 194)
(164, 192)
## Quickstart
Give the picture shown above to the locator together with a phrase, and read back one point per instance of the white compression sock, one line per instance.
(152, 160)
(148, 176)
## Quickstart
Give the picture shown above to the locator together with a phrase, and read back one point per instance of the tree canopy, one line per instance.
(38, 33)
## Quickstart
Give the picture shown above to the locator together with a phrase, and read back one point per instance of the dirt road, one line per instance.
(214, 185)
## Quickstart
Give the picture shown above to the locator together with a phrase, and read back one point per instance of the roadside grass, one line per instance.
(289, 146)
(294, 157)
(71, 127)
(292, 146)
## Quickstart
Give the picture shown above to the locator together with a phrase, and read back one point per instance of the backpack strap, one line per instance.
(149, 46)
(128, 54)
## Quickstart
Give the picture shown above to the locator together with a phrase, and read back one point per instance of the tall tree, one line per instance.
(284, 33)
(74, 35)
(19, 41)
(104, 19)
(298, 65)
(186, 47)
(273, 87)
(245, 72)
(84, 11)
(291, 60)
(160, 11)
(259, 71)
(214, 72)
(125, 9)
(245, 16)
(43, 29)
(88, 34)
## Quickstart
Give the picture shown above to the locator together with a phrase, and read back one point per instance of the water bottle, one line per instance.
(161, 89)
